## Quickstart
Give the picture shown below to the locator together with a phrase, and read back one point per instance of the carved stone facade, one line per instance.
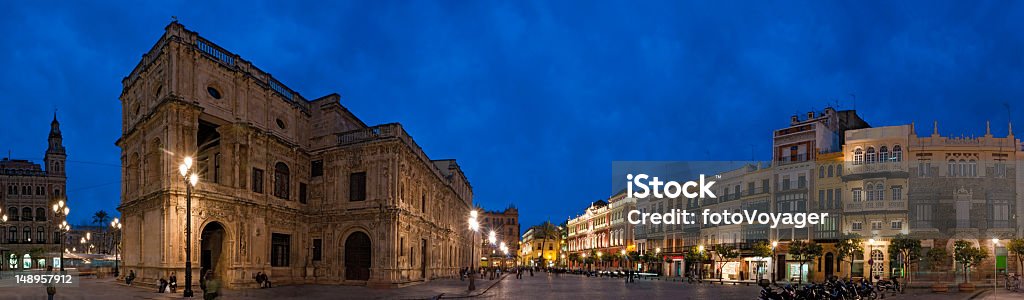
(27, 191)
(299, 189)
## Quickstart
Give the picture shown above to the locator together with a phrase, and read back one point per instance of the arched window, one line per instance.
(963, 169)
(858, 156)
(879, 192)
(281, 180)
(26, 214)
(40, 234)
(952, 168)
(28, 233)
(973, 168)
(153, 162)
(821, 172)
(839, 170)
(40, 214)
(13, 236)
(871, 156)
(897, 153)
(134, 176)
(883, 154)
(871, 192)
(831, 171)
(14, 212)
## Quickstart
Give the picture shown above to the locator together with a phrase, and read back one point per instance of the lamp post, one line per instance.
(661, 262)
(61, 209)
(474, 225)
(871, 261)
(4, 220)
(995, 266)
(504, 249)
(775, 264)
(191, 178)
(700, 257)
(116, 225)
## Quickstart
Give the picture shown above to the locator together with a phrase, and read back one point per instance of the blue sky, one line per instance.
(534, 98)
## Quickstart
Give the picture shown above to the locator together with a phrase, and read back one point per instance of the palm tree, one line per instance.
(100, 219)
(545, 232)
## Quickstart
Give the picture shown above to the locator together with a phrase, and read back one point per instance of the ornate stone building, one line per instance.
(30, 238)
(299, 189)
(505, 224)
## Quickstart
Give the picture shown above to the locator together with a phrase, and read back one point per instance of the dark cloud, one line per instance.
(535, 98)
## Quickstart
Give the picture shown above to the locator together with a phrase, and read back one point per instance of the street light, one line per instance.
(870, 260)
(995, 266)
(116, 225)
(700, 267)
(191, 178)
(3, 219)
(61, 209)
(775, 264)
(474, 225)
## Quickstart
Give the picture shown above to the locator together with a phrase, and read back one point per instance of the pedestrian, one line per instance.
(173, 282)
(531, 272)
(212, 290)
(202, 280)
(266, 280)
(162, 287)
(131, 277)
(50, 288)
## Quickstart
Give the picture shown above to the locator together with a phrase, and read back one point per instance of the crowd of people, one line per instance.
(492, 272)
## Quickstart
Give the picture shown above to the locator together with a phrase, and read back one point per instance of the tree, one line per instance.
(1016, 247)
(907, 249)
(968, 256)
(726, 252)
(761, 249)
(546, 231)
(937, 258)
(804, 251)
(100, 219)
(696, 255)
(848, 247)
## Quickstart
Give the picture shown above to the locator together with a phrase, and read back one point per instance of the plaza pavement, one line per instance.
(540, 286)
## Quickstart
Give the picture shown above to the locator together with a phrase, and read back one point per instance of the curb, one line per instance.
(442, 296)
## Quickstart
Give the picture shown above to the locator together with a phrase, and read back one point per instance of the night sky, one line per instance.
(534, 98)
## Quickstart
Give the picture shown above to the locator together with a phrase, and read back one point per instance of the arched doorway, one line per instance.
(829, 264)
(211, 247)
(877, 263)
(357, 256)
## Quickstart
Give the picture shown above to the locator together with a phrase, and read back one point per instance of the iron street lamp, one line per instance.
(871, 261)
(700, 257)
(116, 225)
(474, 225)
(3, 219)
(61, 209)
(995, 266)
(191, 178)
(775, 264)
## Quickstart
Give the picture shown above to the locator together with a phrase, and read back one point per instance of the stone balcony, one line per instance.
(878, 169)
(863, 206)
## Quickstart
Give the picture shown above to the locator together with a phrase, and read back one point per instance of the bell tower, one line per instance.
(55, 155)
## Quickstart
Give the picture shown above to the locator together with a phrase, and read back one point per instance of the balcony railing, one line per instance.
(876, 205)
(218, 53)
(877, 167)
(391, 130)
